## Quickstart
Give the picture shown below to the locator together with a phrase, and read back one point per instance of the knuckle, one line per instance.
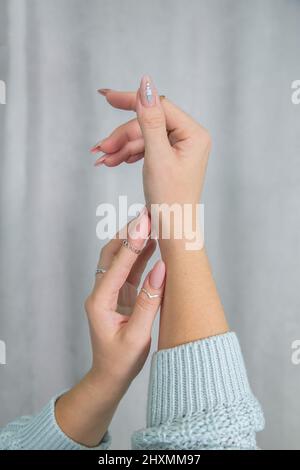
(92, 302)
(207, 140)
(203, 136)
(105, 249)
(143, 303)
(122, 265)
(89, 304)
(153, 119)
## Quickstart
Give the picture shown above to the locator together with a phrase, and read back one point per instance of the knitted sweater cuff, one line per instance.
(42, 432)
(196, 377)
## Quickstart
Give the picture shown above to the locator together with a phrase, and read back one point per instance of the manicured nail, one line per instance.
(139, 227)
(100, 161)
(103, 91)
(147, 91)
(157, 275)
(96, 148)
(142, 211)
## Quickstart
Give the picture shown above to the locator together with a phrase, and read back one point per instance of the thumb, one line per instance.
(151, 117)
(148, 301)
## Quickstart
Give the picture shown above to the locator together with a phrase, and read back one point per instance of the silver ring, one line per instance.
(150, 296)
(100, 271)
(130, 247)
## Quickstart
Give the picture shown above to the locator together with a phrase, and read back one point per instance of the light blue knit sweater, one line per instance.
(199, 398)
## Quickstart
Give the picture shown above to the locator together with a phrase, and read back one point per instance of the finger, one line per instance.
(119, 137)
(116, 275)
(125, 100)
(139, 266)
(107, 161)
(146, 307)
(152, 119)
(111, 249)
(108, 253)
(128, 293)
(128, 150)
(178, 122)
(135, 158)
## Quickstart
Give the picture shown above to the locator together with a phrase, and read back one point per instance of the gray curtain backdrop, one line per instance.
(230, 64)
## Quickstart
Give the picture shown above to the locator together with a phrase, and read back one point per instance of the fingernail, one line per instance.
(100, 161)
(157, 275)
(96, 147)
(147, 91)
(103, 91)
(142, 211)
(139, 227)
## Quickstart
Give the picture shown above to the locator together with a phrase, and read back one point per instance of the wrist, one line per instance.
(112, 388)
(178, 226)
(85, 411)
(173, 247)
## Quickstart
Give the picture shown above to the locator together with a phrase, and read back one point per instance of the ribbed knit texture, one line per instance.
(199, 398)
(41, 432)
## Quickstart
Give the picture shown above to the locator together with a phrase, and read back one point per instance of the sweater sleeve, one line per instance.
(41, 432)
(199, 398)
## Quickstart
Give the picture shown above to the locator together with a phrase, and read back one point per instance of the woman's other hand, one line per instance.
(120, 342)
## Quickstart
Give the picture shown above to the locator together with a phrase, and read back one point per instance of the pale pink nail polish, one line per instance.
(103, 91)
(96, 148)
(100, 161)
(138, 229)
(147, 91)
(142, 211)
(157, 275)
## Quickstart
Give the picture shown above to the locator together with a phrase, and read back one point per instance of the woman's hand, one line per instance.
(175, 150)
(174, 146)
(120, 342)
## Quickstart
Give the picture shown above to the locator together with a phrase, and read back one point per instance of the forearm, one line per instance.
(85, 412)
(192, 308)
(75, 420)
(199, 395)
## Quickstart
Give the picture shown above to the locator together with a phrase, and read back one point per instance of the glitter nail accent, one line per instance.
(149, 94)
